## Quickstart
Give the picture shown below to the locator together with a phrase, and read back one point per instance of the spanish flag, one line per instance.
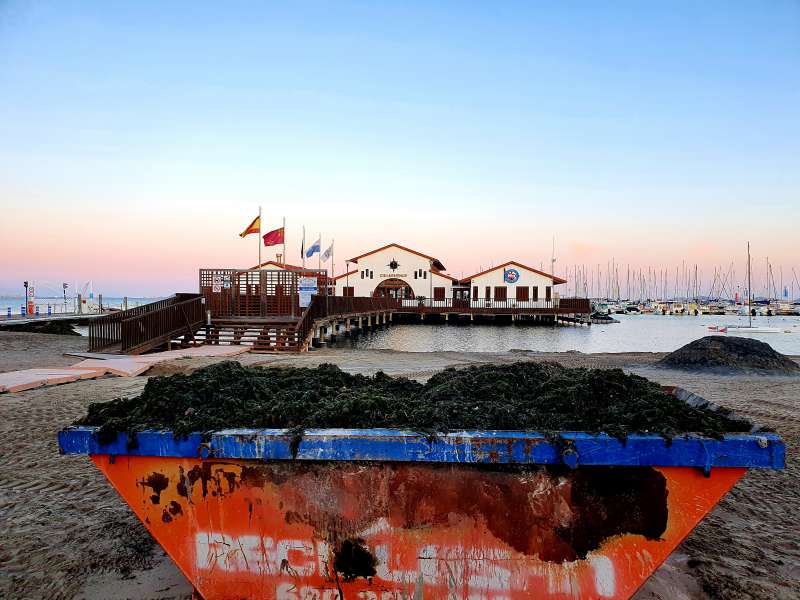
(254, 227)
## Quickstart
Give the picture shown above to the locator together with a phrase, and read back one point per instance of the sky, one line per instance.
(137, 139)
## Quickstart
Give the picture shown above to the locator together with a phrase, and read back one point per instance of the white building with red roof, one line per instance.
(397, 272)
(513, 284)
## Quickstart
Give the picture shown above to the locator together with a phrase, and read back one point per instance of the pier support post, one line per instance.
(317, 341)
(334, 329)
(347, 328)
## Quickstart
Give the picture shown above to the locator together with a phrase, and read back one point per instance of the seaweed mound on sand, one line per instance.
(732, 354)
(543, 397)
(55, 327)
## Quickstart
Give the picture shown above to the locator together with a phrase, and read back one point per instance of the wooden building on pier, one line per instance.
(276, 306)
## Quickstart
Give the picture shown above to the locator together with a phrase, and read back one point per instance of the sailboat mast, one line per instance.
(749, 289)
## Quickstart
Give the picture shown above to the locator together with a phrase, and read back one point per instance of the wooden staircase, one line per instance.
(263, 334)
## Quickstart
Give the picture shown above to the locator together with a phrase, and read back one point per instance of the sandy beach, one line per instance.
(67, 534)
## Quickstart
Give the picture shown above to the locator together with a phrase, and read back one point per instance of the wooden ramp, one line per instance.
(149, 326)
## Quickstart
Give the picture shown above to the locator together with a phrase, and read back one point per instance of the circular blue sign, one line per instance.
(511, 276)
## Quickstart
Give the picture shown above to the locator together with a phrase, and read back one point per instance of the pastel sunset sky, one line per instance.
(137, 139)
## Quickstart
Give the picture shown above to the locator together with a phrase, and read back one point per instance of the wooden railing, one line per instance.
(340, 306)
(128, 328)
(582, 306)
(141, 332)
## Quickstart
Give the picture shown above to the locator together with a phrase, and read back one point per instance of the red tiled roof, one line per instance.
(437, 264)
(445, 275)
(556, 280)
(343, 275)
(288, 267)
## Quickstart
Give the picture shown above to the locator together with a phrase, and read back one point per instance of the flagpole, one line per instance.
(284, 240)
(303, 248)
(259, 236)
(319, 254)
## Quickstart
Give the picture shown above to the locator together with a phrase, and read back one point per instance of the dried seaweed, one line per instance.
(542, 397)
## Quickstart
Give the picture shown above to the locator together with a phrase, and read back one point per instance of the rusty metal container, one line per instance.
(388, 514)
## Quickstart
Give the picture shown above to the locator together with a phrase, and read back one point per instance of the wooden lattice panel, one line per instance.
(216, 288)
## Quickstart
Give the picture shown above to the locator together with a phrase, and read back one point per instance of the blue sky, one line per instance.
(141, 137)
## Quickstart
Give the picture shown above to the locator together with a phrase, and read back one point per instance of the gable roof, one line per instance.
(556, 280)
(445, 275)
(343, 275)
(285, 266)
(436, 262)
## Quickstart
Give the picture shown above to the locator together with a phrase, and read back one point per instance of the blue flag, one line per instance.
(313, 249)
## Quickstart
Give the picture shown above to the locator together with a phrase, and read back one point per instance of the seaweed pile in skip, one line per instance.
(543, 397)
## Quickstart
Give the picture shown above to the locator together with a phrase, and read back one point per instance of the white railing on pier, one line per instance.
(479, 303)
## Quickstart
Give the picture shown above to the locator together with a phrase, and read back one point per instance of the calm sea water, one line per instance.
(640, 333)
(57, 304)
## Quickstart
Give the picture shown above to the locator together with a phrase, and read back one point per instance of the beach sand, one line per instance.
(32, 350)
(67, 534)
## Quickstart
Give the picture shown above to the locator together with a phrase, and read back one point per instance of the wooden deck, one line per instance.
(553, 307)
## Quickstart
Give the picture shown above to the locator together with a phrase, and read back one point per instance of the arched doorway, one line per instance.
(393, 288)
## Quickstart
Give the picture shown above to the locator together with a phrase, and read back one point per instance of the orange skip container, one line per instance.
(388, 514)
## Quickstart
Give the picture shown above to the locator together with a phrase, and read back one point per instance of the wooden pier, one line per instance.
(264, 309)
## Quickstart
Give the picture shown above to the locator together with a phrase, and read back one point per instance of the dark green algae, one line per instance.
(543, 397)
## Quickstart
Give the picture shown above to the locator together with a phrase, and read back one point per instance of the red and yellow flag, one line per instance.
(254, 227)
(273, 238)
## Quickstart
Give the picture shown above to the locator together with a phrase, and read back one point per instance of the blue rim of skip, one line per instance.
(753, 450)
(759, 450)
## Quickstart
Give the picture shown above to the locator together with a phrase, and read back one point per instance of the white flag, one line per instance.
(327, 254)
